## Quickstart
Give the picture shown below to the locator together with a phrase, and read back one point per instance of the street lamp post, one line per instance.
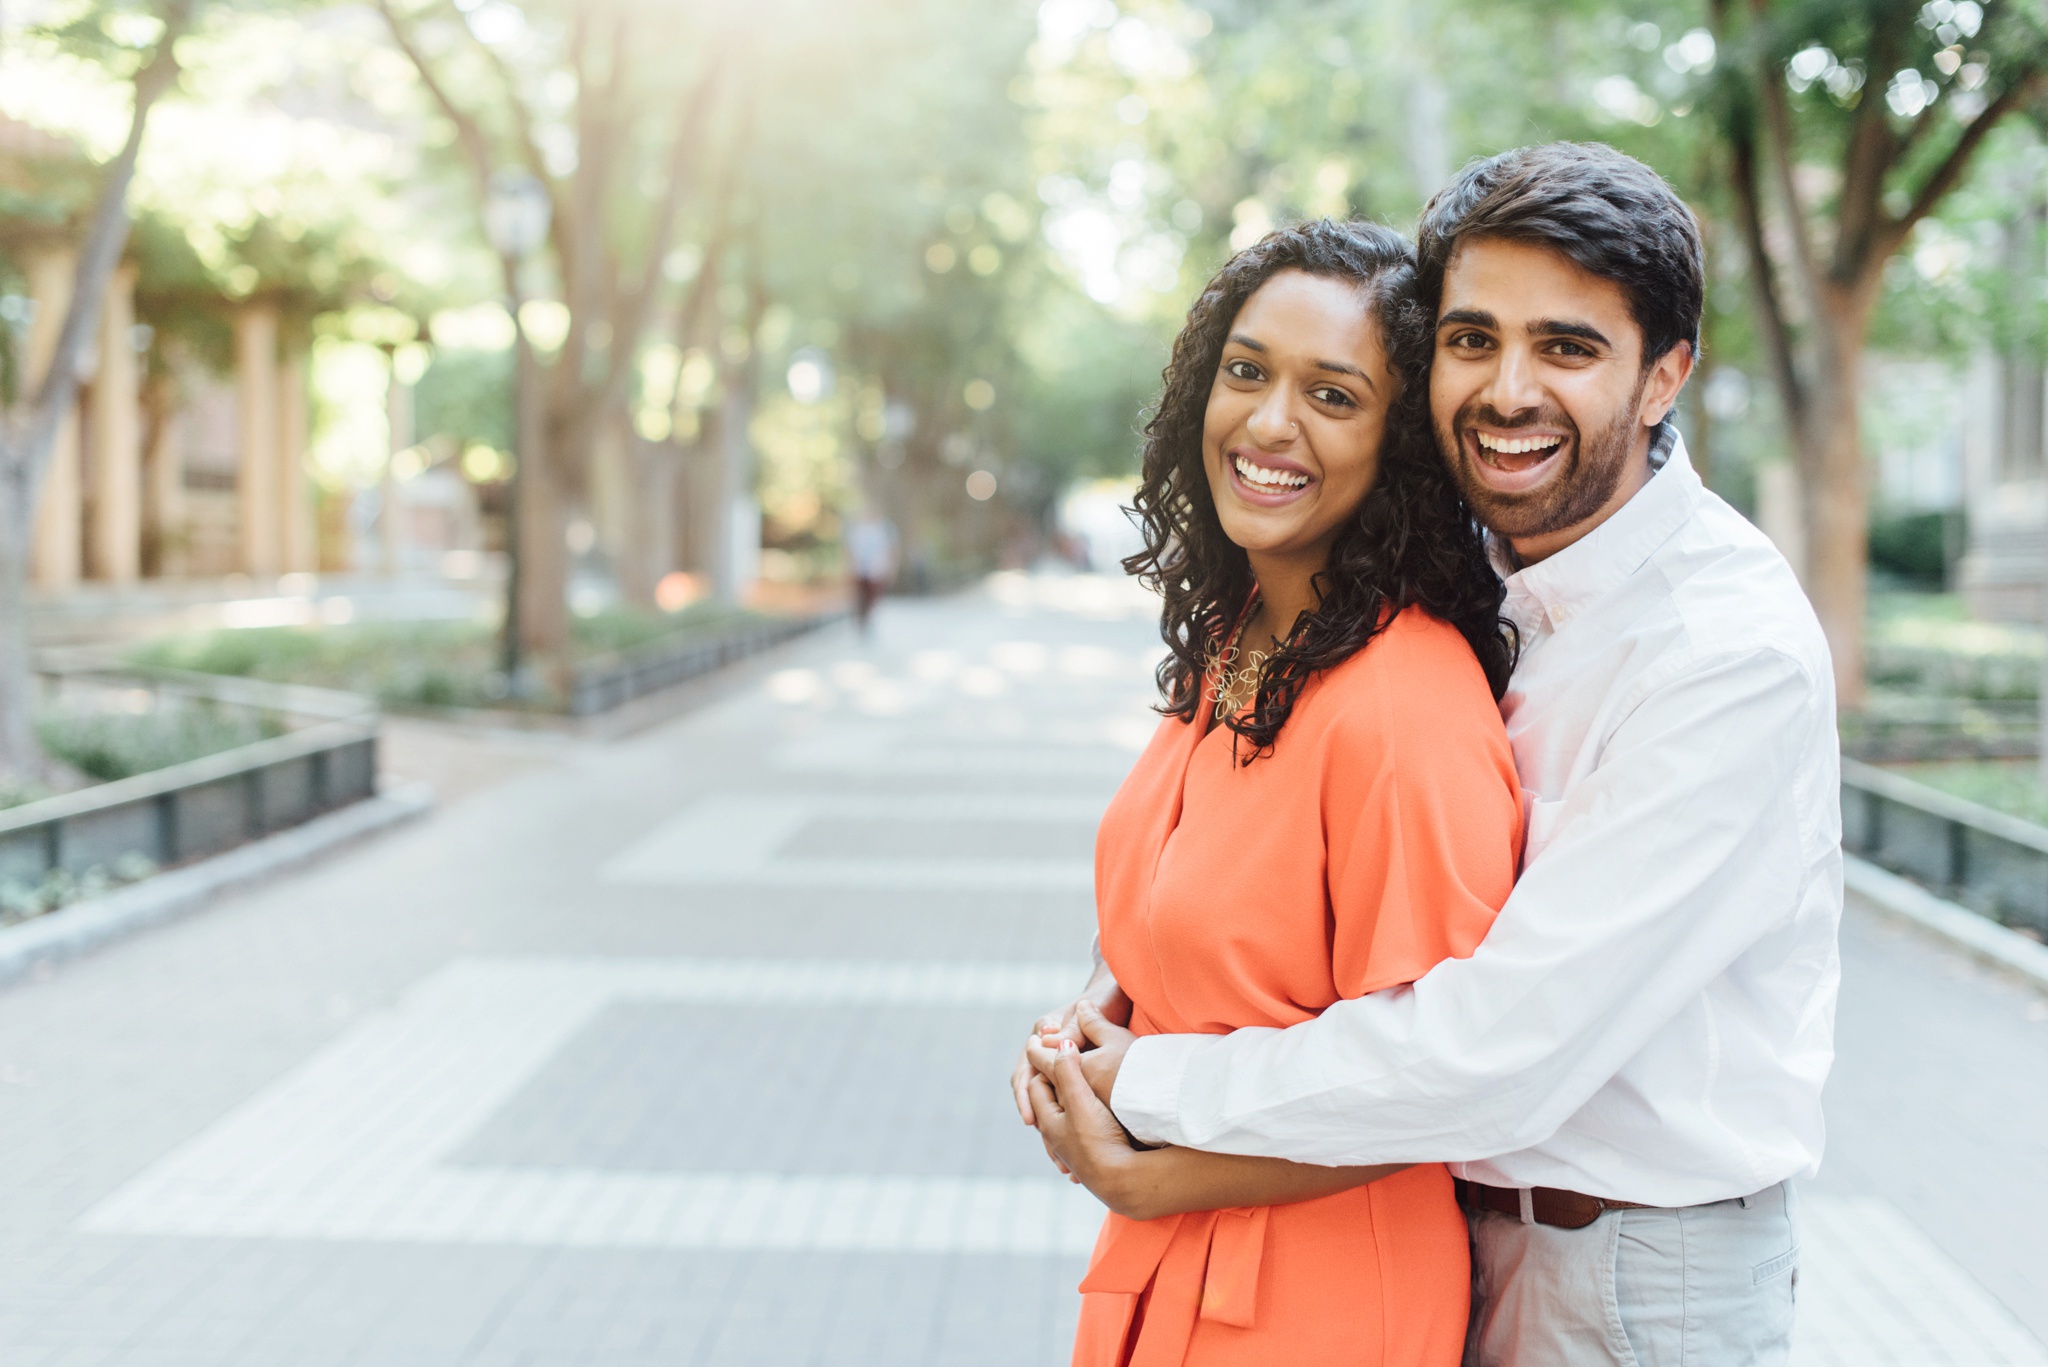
(517, 212)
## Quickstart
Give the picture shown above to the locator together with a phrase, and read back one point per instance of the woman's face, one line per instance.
(1291, 439)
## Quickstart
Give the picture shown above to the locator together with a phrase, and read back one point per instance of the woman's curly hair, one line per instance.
(1412, 542)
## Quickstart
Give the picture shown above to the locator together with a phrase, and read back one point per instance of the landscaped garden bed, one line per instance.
(433, 666)
(188, 766)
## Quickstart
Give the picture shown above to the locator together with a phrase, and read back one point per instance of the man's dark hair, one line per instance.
(1607, 212)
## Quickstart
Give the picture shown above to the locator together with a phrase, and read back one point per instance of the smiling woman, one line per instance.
(1290, 454)
(1292, 501)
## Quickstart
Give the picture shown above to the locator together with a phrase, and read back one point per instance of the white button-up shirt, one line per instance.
(1652, 1015)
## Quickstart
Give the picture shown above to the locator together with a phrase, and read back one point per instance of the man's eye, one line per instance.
(1241, 370)
(1572, 349)
(1467, 341)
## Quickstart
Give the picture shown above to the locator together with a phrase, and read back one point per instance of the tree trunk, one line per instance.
(21, 758)
(1834, 486)
(543, 601)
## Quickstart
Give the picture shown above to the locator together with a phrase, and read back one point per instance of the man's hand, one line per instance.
(1103, 996)
(1099, 1064)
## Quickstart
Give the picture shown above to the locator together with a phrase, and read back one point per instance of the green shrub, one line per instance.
(416, 664)
(114, 745)
(1916, 547)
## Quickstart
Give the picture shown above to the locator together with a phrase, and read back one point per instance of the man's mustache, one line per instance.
(1491, 417)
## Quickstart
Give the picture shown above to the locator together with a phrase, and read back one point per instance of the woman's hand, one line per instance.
(1099, 1063)
(1091, 1146)
(1085, 1138)
(1102, 996)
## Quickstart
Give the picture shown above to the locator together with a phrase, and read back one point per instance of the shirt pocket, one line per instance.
(1540, 819)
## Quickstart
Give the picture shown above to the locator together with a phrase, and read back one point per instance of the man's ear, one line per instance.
(1668, 374)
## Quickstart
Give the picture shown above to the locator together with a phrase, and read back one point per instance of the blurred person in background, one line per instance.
(871, 556)
(1328, 809)
(1626, 1072)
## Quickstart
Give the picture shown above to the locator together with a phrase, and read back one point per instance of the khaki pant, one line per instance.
(1703, 1286)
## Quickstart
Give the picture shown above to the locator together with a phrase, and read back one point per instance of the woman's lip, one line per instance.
(1268, 462)
(1512, 481)
(1262, 497)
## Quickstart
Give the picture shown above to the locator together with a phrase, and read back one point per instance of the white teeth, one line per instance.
(1271, 479)
(1518, 447)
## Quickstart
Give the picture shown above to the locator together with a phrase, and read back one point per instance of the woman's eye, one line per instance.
(1241, 370)
(1336, 398)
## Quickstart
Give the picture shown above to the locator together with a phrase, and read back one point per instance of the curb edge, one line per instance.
(1978, 936)
(85, 926)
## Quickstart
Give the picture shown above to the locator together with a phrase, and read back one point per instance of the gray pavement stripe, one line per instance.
(741, 839)
(855, 752)
(354, 1144)
(571, 1208)
(1876, 1292)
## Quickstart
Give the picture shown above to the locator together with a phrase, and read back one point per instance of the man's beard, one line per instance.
(1596, 465)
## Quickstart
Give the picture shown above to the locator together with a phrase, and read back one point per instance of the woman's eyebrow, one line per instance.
(1344, 368)
(1246, 342)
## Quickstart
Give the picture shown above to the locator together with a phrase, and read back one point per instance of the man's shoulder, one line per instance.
(1731, 592)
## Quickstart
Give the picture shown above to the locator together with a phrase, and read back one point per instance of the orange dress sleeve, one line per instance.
(1422, 811)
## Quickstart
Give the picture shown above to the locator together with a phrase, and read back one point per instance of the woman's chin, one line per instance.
(1262, 531)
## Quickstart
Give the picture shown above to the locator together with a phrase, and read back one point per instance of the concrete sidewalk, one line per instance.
(690, 1049)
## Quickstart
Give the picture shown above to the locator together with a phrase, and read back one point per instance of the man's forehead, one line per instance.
(1514, 280)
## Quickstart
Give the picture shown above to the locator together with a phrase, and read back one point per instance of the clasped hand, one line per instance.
(1064, 1091)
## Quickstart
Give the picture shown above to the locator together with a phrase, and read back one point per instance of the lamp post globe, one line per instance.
(517, 213)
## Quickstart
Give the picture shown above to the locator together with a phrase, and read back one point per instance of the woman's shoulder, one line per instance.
(1416, 656)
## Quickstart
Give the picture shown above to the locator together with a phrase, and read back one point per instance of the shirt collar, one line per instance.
(1552, 591)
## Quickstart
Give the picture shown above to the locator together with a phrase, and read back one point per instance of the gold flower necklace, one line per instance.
(1236, 683)
(1237, 673)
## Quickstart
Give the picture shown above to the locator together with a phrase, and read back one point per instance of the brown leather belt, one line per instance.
(1546, 1205)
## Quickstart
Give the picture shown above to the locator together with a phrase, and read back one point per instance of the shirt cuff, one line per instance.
(1146, 1097)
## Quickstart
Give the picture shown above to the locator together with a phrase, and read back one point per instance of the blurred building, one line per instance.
(2003, 570)
(164, 468)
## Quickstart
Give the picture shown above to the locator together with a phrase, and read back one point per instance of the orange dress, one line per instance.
(1375, 840)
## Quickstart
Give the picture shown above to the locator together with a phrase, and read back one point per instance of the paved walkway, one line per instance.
(690, 1050)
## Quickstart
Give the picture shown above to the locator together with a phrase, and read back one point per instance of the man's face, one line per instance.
(1542, 406)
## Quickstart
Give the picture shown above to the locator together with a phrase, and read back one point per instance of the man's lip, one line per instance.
(1519, 434)
(1512, 481)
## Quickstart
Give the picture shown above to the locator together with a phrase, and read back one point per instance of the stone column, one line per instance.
(56, 558)
(298, 539)
(390, 515)
(256, 426)
(114, 434)
(163, 480)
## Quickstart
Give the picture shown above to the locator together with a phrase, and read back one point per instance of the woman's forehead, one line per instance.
(1298, 312)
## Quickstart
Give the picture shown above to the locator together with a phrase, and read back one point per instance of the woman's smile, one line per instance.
(1267, 480)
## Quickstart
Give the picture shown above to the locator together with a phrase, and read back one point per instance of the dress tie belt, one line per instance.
(1217, 1251)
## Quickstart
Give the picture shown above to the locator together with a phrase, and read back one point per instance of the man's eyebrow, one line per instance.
(1246, 342)
(1478, 318)
(1564, 327)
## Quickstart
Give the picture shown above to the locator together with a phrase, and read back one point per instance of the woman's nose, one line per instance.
(1273, 422)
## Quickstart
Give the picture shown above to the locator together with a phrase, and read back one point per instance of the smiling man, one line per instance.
(1626, 1074)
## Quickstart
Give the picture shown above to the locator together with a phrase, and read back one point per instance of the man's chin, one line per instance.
(1510, 512)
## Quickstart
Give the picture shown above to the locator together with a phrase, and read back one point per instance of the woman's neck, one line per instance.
(1287, 588)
